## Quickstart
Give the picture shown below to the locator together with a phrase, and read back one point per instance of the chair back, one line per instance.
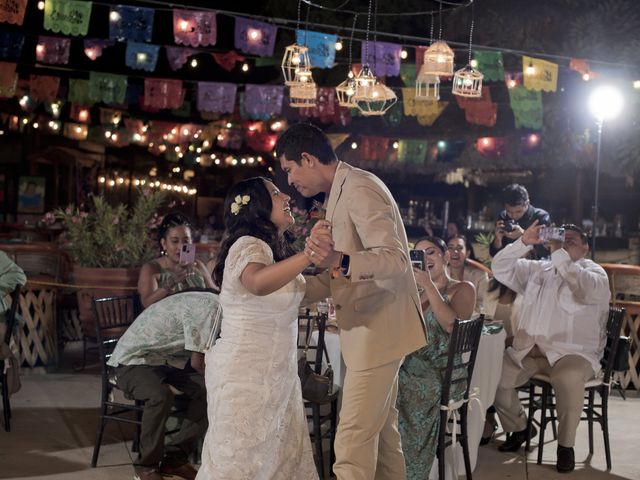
(461, 356)
(112, 317)
(10, 318)
(306, 325)
(614, 326)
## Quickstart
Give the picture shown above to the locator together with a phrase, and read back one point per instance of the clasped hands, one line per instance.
(319, 246)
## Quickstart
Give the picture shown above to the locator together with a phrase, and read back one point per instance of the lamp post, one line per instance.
(605, 103)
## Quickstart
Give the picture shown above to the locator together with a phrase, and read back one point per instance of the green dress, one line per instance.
(420, 386)
(192, 281)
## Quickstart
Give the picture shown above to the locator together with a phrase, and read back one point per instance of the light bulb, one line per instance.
(245, 67)
(40, 5)
(141, 57)
(354, 145)
(114, 16)
(338, 45)
(404, 54)
(194, 63)
(184, 25)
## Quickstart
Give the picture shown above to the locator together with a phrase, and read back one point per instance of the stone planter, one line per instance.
(99, 283)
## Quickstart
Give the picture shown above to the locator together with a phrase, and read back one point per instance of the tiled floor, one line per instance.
(55, 414)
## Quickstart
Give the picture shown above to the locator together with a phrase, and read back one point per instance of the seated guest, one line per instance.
(420, 379)
(164, 348)
(166, 275)
(560, 331)
(459, 269)
(11, 275)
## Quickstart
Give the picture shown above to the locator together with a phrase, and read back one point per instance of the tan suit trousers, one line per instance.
(568, 377)
(368, 442)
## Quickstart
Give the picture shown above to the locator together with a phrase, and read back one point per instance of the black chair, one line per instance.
(324, 424)
(112, 316)
(593, 412)
(10, 320)
(461, 358)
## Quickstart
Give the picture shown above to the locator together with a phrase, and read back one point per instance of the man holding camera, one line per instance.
(560, 330)
(517, 216)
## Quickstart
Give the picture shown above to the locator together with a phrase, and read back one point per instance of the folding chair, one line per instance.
(461, 358)
(327, 421)
(593, 412)
(10, 320)
(112, 316)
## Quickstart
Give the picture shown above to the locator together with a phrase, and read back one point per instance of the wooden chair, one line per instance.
(327, 421)
(112, 316)
(461, 358)
(10, 321)
(593, 412)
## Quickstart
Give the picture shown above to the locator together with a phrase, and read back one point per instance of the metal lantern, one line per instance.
(345, 92)
(302, 92)
(467, 82)
(364, 82)
(295, 57)
(427, 86)
(380, 98)
(438, 60)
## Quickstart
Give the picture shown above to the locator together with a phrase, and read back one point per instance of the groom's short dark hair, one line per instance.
(304, 137)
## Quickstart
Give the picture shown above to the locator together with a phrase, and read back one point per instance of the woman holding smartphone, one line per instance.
(443, 300)
(167, 274)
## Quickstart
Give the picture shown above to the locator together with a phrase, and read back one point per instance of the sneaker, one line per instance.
(516, 439)
(566, 461)
(147, 475)
(185, 471)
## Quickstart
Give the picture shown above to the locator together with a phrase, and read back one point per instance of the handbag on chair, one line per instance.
(316, 388)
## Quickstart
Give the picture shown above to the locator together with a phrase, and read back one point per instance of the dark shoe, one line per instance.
(491, 427)
(185, 471)
(516, 439)
(147, 475)
(566, 461)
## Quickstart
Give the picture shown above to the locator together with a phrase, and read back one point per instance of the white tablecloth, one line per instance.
(486, 375)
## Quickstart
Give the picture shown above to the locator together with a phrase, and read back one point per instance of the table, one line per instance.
(486, 376)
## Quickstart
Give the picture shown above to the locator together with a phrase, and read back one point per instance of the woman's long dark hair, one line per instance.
(252, 219)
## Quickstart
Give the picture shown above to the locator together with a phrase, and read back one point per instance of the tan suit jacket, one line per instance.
(378, 307)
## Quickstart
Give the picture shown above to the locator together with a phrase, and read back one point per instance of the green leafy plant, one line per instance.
(110, 237)
(484, 241)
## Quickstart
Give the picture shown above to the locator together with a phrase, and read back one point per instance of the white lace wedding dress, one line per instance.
(257, 426)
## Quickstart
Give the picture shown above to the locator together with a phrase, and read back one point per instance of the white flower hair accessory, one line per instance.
(239, 202)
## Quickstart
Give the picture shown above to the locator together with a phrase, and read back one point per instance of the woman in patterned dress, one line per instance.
(420, 379)
(257, 425)
(165, 275)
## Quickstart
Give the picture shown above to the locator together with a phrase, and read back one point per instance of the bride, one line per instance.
(257, 425)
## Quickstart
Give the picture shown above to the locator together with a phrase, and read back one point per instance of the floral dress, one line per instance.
(257, 424)
(420, 386)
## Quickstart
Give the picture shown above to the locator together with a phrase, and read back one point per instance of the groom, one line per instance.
(364, 246)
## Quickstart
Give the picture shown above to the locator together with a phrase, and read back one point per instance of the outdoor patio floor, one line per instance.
(55, 416)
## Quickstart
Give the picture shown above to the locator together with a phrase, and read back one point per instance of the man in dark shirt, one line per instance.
(517, 216)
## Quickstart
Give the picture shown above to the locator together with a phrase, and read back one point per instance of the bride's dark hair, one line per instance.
(252, 219)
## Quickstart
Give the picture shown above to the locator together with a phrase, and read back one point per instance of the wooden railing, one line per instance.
(624, 281)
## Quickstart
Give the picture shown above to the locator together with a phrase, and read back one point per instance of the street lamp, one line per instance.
(605, 103)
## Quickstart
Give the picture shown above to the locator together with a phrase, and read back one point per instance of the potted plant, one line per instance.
(107, 245)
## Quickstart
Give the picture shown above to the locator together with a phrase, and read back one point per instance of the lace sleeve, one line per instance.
(244, 251)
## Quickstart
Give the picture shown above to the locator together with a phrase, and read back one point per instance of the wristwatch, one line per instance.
(344, 265)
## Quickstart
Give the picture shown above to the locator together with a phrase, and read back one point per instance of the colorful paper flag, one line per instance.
(70, 17)
(194, 27)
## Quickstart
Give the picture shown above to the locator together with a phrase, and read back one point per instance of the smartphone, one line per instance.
(187, 253)
(552, 233)
(417, 258)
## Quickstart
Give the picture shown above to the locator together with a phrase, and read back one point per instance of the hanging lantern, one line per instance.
(302, 92)
(438, 60)
(364, 82)
(427, 86)
(467, 82)
(345, 92)
(380, 98)
(295, 57)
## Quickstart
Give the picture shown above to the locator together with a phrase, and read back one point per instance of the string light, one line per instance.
(404, 54)
(530, 70)
(245, 67)
(41, 5)
(184, 25)
(338, 45)
(114, 16)
(194, 63)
